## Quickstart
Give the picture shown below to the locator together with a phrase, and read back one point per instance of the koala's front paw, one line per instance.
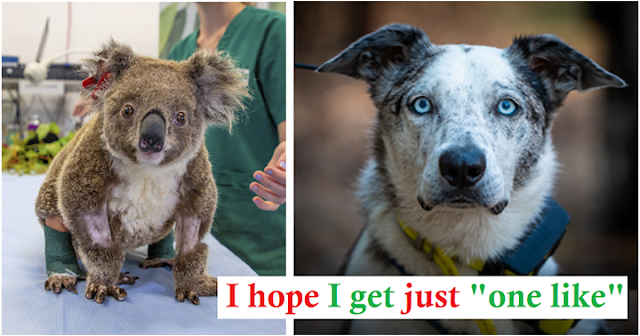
(56, 282)
(181, 294)
(207, 286)
(100, 292)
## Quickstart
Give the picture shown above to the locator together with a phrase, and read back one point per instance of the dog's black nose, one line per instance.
(152, 133)
(462, 166)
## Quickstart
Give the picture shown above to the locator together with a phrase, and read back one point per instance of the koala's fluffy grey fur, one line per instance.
(114, 193)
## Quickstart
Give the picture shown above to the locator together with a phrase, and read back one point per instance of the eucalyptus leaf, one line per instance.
(31, 155)
(16, 139)
(40, 167)
(14, 149)
(42, 149)
(43, 130)
(35, 158)
(53, 148)
(53, 128)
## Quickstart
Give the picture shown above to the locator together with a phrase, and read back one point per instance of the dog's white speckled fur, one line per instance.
(464, 86)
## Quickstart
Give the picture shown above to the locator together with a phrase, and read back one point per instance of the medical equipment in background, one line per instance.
(36, 72)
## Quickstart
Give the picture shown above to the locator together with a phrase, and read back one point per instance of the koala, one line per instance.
(140, 165)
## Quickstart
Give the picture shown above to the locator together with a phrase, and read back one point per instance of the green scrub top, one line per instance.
(256, 40)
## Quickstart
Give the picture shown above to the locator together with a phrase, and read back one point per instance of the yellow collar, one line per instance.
(448, 267)
(438, 255)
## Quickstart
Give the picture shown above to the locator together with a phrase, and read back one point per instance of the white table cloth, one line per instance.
(150, 307)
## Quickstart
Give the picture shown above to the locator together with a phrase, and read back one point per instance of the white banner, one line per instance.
(420, 297)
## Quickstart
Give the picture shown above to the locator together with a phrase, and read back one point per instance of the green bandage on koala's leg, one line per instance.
(162, 249)
(59, 254)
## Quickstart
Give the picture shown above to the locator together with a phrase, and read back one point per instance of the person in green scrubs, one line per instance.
(255, 39)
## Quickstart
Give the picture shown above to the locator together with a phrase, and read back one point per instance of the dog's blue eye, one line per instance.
(422, 105)
(507, 107)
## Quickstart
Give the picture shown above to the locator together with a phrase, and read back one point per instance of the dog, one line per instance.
(462, 156)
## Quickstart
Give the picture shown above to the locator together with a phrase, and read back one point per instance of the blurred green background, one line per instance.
(179, 19)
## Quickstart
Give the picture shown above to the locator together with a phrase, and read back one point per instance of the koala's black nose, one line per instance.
(462, 166)
(152, 132)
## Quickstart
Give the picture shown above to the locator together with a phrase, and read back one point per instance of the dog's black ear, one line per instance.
(561, 67)
(369, 56)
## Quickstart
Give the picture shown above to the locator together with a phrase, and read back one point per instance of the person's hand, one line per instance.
(271, 186)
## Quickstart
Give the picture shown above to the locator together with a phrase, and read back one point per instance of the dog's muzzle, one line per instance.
(462, 167)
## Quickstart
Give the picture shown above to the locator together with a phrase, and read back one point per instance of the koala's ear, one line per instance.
(113, 58)
(220, 87)
(368, 57)
(117, 57)
(561, 67)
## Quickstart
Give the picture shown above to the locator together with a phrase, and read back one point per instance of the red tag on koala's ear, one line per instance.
(103, 84)
(88, 82)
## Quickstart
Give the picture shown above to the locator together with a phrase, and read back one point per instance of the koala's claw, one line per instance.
(71, 287)
(55, 283)
(207, 286)
(100, 292)
(191, 295)
(127, 279)
(117, 292)
(157, 262)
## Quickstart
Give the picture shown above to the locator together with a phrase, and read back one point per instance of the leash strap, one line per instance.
(527, 259)
(305, 66)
